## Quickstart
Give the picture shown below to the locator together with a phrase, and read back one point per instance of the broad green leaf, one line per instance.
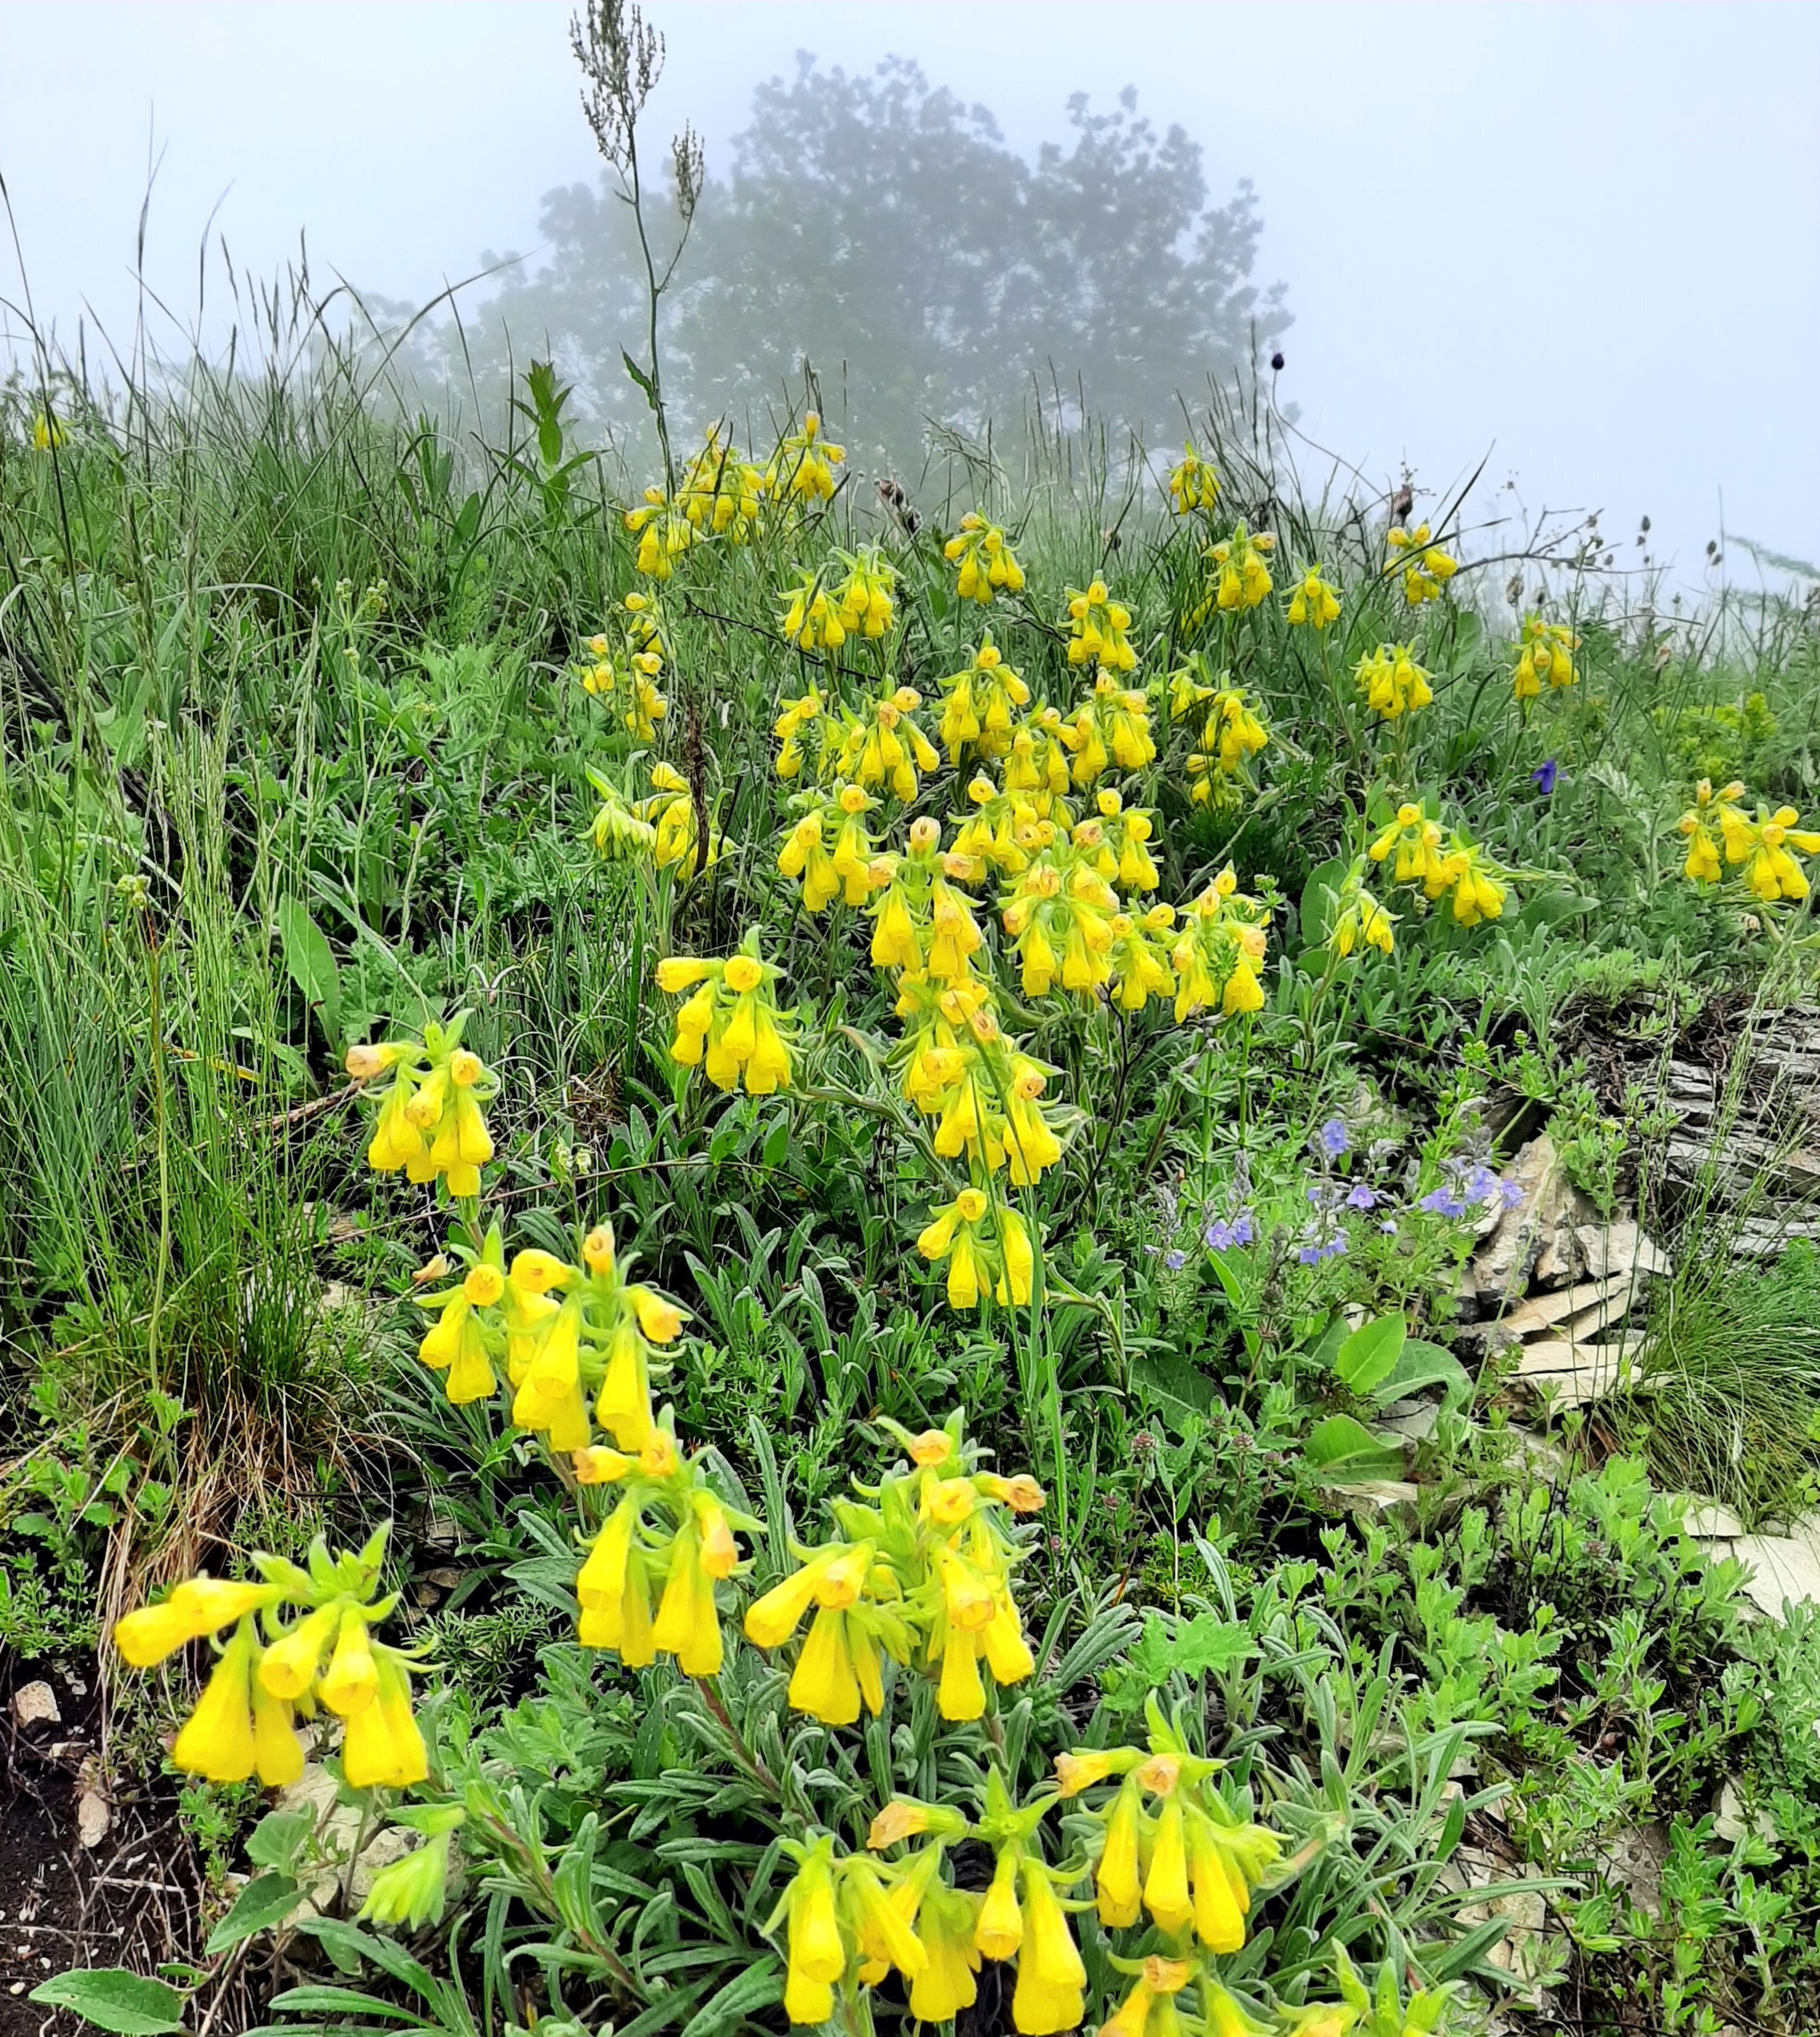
(1369, 1355)
(1181, 1389)
(1341, 1451)
(1420, 1365)
(265, 1901)
(1321, 900)
(113, 1999)
(311, 963)
(277, 1841)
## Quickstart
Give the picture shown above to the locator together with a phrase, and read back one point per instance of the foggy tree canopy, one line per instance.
(885, 230)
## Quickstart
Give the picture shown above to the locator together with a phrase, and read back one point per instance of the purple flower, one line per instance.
(1443, 1202)
(1363, 1198)
(1389, 1227)
(1333, 1139)
(1223, 1233)
(1315, 1251)
(1511, 1194)
(1545, 776)
(1482, 1184)
(1174, 1259)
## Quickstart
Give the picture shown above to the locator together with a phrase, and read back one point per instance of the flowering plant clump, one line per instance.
(1098, 627)
(626, 676)
(802, 470)
(1313, 603)
(1391, 682)
(1425, 567)
(430, 1125)
(1546, 658)
(1192, 482)
(271, 1670)
(1762, 849)
(985, 563)
(1242, 562)
(729, 1025)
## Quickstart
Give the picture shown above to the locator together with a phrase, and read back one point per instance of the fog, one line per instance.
(1578, 242)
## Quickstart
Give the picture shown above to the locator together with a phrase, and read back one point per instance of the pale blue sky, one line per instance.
(1584, 239)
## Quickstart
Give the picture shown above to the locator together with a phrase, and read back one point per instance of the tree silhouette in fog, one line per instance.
(884, 229)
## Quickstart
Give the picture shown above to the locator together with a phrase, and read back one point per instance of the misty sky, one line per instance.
(1583, 239)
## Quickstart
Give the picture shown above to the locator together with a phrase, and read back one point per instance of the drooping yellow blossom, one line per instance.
(1111, 726)
(616, 830)
(430, 1122)
(1050, 1996)
(625, 677)
(988, 1250)
(1097, 628)
(1235, 733)
(1359, 920)
(729, 1024)
(664, 533)
(464, 1340)
(1417, 843)
(1478, 887)
(977, 703)
(1037, 766)
(49, 433)
(887, 747)
(1546, 658)
(1122, 855)
(1139, 957)
(1059, 911)
(670, 813)
(926, 1559)
(1426, 568)
(1192, 482)
(1699, 823)
(985, 1093)
(1770, 871)
(1391, 682)
(1219, 950)
(243, 1722)
(719, 494)
(1242, 578)
(987, 565)
(802, 470)
(1313, 603)
(794, 717)
(837, 868)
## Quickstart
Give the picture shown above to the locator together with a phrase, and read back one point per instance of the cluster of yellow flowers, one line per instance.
(1545, 657)
(921, 1572)
(722, 496)
(1762, 850)
(1242, 576)
(430, 1125)
(1191, 1861)
(1426, 568)
(1440, 863)
(977, 703)
(1391, 682)
(1218, 768)
(986, 564)
(1192, 482)
(1219, 949)
(1097, 630)
(627, 675)
(669, 1535)
(1359, 919)
(1313, 603)
(268, 1671)
(822, 611)
(730, 1025)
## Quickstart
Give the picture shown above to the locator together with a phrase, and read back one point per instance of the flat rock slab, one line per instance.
(1620, 1248)
(1576, 1373)
(1542, 1311)
(1783, 1567)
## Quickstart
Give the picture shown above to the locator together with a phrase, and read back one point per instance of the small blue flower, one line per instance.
(1443, 1202)
(1174, 1259)
(1510, 1192)
(1315, 1250)
(1363, 1197)
(1545, 776)
(1389, 1227)
(1243, 1229)
(1333, 1139)
(1481, 1185)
